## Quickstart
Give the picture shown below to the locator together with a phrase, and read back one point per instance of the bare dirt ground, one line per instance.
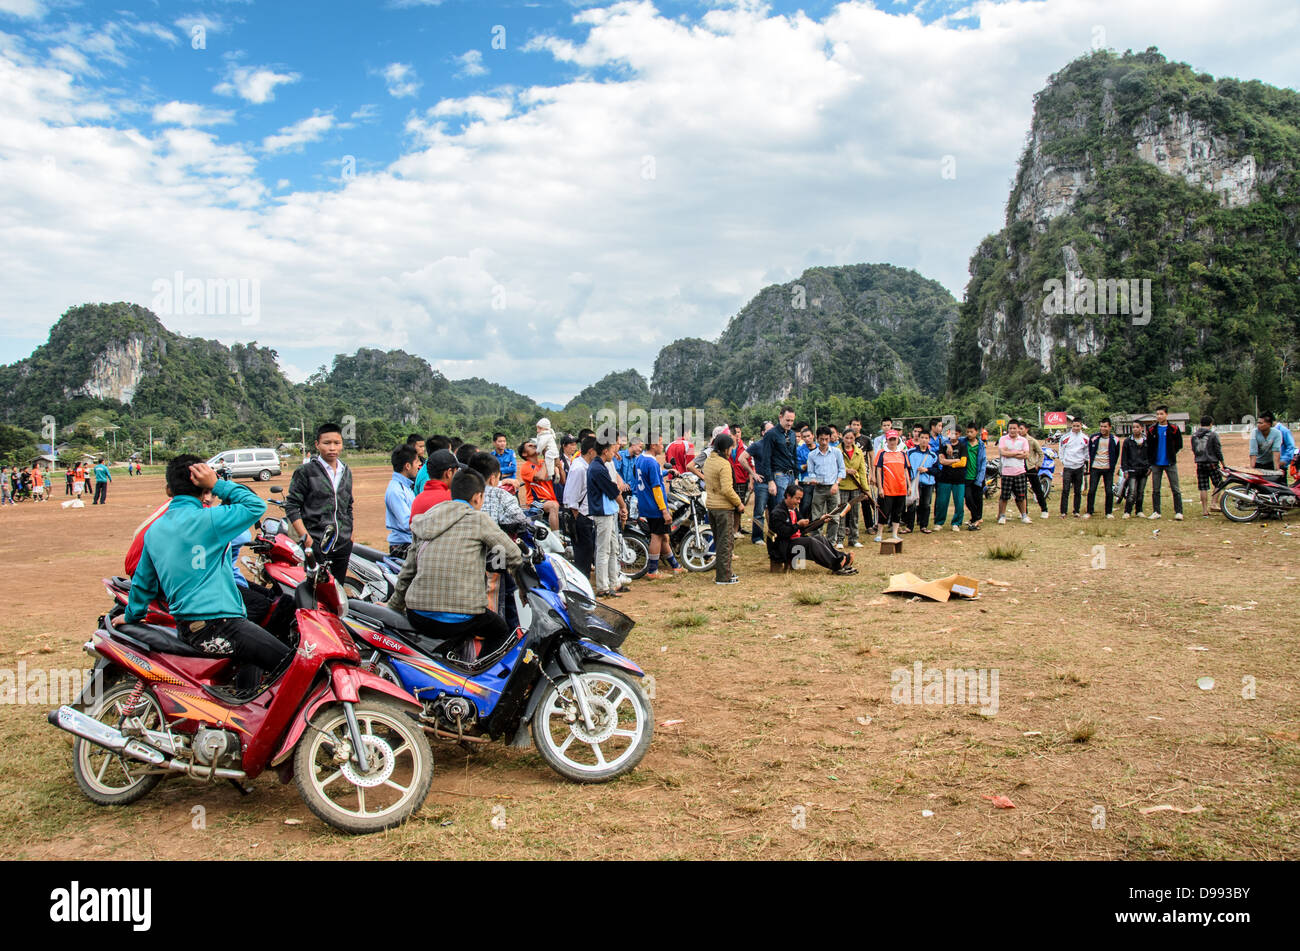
(789, 745)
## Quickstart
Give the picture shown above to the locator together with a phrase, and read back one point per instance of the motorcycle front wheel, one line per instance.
(633, 556)
(1238, 510)
(396, 783)
(104, 776)
(696, 551)
(623, 726)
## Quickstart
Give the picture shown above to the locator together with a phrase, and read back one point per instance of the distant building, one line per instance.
(1124, 422)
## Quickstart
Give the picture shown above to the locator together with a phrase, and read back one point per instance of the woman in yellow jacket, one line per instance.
(724, 505)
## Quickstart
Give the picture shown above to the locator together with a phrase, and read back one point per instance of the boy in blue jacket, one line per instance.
(186, 562)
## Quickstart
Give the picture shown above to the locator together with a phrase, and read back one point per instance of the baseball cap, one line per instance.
(441, 461)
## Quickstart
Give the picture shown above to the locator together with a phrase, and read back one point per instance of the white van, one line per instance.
(260, 464)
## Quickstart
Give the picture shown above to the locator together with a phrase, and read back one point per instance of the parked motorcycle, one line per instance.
(690, 533)
(559, 675)
(1246, 495)
(345, 735)
(1046, 471)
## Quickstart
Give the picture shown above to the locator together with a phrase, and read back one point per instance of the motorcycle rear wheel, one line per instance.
(1235, 510)
(624, 723)
(694, 552)
(1045, 481)
(634, 556)
(105, 777)
(401, 767)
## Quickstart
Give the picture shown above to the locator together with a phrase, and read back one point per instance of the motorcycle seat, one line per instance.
(380, 614)
(160, 640)
(368, 553)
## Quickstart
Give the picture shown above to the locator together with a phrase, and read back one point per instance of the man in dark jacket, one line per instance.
(780, 458)
(788, 543)
(1103, 456)
(320, 496)
(1164, 441)
(1207, 452)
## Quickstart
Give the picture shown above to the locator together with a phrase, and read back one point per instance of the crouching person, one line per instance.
(787, 543)
(443, 585)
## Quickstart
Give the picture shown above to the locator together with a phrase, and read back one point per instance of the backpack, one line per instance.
(1200, 442)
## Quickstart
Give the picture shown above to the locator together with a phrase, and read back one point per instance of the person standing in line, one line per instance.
(102, 478)
(877, 444)
(1208, 453)
(972, 447)
(855, 480)
(6, 493)
(892, 475)
(1033, 464)
(1013, 450)
(780, 461)
(950, 481)
(757, 456)
(398, 497)
(653, 505)
(825, 471)
(1164, 442)
(724, 505)
(925, 461)
(575, 500)
(742, 470)
(1103, 455)
(78, 481)
(605, 505)
(67, 481)
(625, 468)
(320, 497)
(1074, 463)
(1135, 465)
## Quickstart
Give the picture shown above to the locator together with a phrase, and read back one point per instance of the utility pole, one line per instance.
(150, 445)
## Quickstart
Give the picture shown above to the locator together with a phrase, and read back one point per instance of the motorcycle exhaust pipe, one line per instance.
(1241, 496)
(199, 771)
(101, 734)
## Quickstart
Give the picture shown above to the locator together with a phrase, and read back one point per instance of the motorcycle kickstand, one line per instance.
(243, 790)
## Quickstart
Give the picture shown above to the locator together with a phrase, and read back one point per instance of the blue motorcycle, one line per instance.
(560, 675)
(1046, 471)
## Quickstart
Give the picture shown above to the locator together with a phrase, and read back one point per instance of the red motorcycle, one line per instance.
(1244, 496)
(157, 707)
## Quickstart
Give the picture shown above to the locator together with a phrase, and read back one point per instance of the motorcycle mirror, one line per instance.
(540, 532)
(328, 538)
(277, 489)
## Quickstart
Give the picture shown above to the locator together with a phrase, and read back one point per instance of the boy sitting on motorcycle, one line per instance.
(185, 561)
(443, 584)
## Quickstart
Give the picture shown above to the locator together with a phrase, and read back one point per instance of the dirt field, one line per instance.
(789, 745)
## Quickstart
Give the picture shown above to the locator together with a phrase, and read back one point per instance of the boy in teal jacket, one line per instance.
(186, 562)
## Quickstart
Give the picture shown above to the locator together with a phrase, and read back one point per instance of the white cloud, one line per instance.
(545, 235)
(310, 129)
(190, 114)
(366, 113)
(255, 84)
(471, 64)
(210, 23)
(23, 9)
(401, 80)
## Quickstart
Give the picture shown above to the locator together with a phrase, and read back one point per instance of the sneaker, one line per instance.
(1111, 517)
(957, 528)
(679, 570)
(1076, 515)
(859, 544)
(734, 580)
(1154, 515)
(1002, 519)
(879, 538)
(1126, 515)
(757, 541)
(1086, 515)
(652, 576)
(1045, 515)
(1178, 516)
(1027, 520)
(972, 527)
(894, 538)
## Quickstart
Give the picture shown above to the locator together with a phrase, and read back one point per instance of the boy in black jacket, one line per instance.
(320, 496)
(1208, 453)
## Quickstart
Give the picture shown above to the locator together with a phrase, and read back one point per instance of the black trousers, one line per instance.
(919, 514)
(1106, 476)
(818, 551)
(489, 625)
(1036, 486)
(101, 493)
(975, 501)
(338, 558)
(584, 544)
(1134, 489)
(236, 637)
(1071, 478)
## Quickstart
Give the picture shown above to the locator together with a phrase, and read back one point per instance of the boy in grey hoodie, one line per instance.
(1209, 457)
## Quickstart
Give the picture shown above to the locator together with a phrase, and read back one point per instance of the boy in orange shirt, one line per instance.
(892, 476)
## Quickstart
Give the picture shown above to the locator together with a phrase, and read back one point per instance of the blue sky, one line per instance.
(612, 177)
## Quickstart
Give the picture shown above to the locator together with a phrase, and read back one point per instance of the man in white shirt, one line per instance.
(575, 500)
(1013, 450)
(1074, 463)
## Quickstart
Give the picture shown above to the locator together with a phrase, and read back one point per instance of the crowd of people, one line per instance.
(36, 482)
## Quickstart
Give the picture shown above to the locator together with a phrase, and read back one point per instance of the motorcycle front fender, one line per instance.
(346, 684)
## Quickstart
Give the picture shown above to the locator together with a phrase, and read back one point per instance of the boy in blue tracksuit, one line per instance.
(925, 463)
(102, 478)
(186, 562)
